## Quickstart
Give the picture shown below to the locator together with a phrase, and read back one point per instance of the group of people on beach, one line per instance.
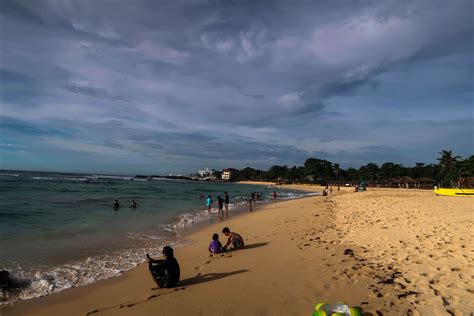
(221, 203)
(166, 272)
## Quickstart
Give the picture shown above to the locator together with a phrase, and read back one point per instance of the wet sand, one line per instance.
(391, 252)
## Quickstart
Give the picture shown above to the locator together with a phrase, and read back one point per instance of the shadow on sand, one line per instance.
(257, 245)
(208, 277)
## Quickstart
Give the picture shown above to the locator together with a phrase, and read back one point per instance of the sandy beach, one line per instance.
(390, 252)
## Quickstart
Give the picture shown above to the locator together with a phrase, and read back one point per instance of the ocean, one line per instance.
(59, 230)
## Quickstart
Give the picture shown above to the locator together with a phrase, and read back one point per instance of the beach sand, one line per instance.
(391, 252)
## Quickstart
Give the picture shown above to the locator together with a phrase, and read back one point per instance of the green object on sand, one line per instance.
(337, 309)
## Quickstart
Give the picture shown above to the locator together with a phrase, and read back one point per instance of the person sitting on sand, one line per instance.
(215, 247)
(165, 272)
(233, 238)
(116, 205)
(5, 283)
(134, 204)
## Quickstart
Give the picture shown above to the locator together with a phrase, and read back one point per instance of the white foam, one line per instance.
(90, 270)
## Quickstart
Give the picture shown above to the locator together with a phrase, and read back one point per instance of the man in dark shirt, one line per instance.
(164, 272)
(220, 204)
(226, 197)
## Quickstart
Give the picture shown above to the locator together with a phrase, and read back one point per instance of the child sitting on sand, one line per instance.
(235, 239)
(165, 272)
(215, 247)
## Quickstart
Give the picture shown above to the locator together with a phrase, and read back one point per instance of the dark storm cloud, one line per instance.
(227, 80)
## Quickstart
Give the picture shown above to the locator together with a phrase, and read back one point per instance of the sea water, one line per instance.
(59, 230)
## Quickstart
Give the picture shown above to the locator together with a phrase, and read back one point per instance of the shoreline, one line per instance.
(88, 269)
(180, 239)
(358, 248)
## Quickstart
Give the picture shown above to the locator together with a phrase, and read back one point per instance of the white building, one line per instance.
(205, 173)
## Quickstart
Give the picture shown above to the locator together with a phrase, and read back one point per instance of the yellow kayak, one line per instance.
(454, 192)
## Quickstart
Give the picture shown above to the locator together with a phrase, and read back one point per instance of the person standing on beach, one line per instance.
(209, 203)
(226, 202)
(250, 204)
(220, 205)
(274, 195)
(252, 196)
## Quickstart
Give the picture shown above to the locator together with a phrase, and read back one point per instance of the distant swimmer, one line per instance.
(116, 205)
(226, 202)
(209, 203)
(134, 204)
(201, 196)
(274, 194)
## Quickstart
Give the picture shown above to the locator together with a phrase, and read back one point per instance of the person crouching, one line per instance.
(165, 272)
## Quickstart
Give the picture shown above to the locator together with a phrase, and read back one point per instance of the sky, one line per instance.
(174, 86)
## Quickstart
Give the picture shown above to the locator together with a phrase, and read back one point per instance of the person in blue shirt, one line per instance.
(209, 203)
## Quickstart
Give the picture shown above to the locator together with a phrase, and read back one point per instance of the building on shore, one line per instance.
(227, 174)
(205, 173)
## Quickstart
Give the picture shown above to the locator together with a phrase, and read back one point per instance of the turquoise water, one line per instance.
(59, 230)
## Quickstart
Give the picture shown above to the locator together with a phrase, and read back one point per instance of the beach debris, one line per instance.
(339, 308)
(403, 295)
(349, 252)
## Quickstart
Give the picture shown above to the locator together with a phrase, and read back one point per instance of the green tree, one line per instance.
(392, 170)
(448, 164)
(369, 172)
(277, 172)
(352, 174)
(447, 160)
(321, 170)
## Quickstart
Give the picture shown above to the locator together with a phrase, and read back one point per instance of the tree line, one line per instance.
(448, 169)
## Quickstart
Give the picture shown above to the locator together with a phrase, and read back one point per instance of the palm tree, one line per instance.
(447, 161)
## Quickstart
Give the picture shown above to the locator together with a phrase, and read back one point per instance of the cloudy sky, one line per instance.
(172, 86)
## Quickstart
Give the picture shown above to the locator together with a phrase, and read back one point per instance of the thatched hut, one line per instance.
(407, 182)
(425, 183)
(466, 183)
(392, 183)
